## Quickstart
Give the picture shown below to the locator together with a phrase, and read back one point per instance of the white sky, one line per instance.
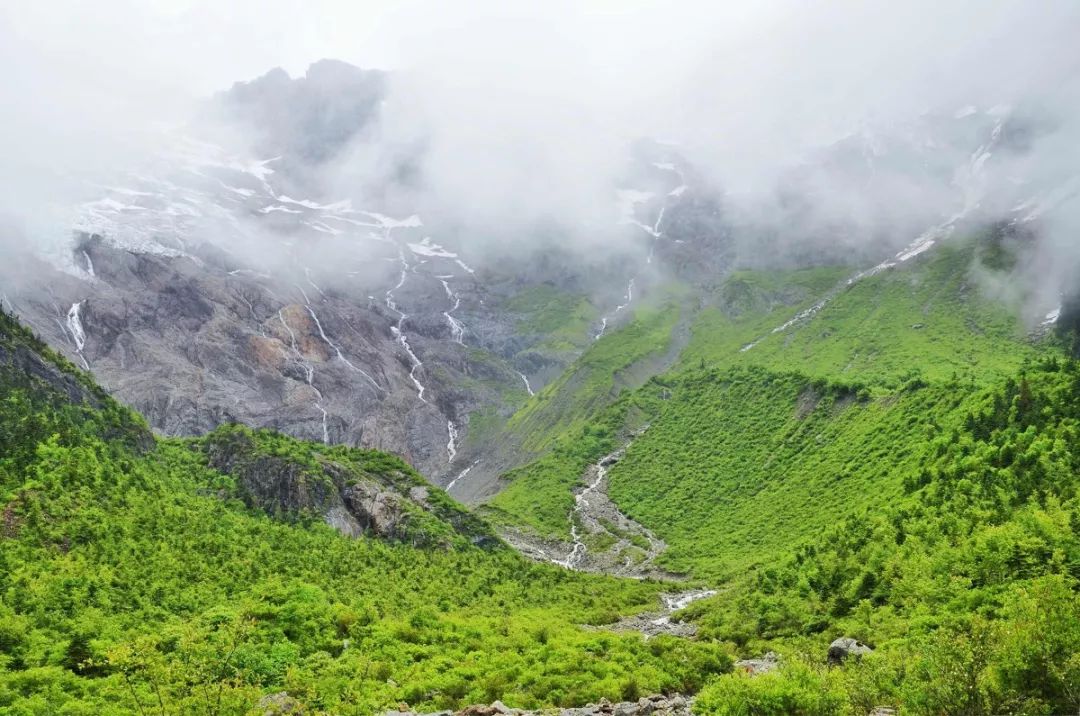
(198, 46)
(525, 98)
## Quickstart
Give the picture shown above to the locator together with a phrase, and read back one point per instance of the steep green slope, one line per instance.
(898, 466)
(138, 579)
(967, 583)
(927, 316)
(737, 465)
(569, 423)
(922, 321)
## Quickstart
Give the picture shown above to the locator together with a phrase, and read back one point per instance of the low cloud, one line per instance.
(834, 127)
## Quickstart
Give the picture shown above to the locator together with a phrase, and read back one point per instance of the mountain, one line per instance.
(200, 290)
(811, 451)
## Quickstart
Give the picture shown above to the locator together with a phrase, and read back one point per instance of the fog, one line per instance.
(519, 115)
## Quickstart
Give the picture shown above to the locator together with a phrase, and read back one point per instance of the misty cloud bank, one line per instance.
(842, 130)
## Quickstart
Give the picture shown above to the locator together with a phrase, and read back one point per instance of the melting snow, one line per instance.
(427, 248)
(388, 222)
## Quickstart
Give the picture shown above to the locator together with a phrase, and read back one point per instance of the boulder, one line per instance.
(845, 647)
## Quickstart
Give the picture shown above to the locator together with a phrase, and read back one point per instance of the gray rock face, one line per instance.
(209, 293)
(844, 647)
(352, 501)
(373, 335)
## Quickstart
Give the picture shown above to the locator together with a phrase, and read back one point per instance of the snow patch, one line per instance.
(427, 248)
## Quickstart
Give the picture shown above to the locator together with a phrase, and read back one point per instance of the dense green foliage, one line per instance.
(135, 581)
(738, 465)
(570, 423)
(899, 467)
(912, 483)
(967, 583)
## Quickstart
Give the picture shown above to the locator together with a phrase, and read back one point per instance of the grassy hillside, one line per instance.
(137, 579)
(927, 317)
(900, 466)
(737, 465)
(966, 583)
(571, 422)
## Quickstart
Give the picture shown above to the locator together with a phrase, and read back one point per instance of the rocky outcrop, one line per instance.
(389, 504)
(763, 665)
(657, 705)
(603, 538)
(26, 362)
(845, 647)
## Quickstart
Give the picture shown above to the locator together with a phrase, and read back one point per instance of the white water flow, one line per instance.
(580, 502)
(457, 328)
(309, 373)
(675, 602)
(89, 264)
(1052, 317)
(451, 443)
(525, 380)
(628, 298)
(460, 475)
(398, 329)
(326, 339)
(307, 277)
(656, 235)
(74, 324)
(654, 232)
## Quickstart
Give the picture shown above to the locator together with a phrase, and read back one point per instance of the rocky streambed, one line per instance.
(602, 538)
(662, 620)
(657, 705)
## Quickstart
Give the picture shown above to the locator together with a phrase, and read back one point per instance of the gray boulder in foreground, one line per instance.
(844, 647)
